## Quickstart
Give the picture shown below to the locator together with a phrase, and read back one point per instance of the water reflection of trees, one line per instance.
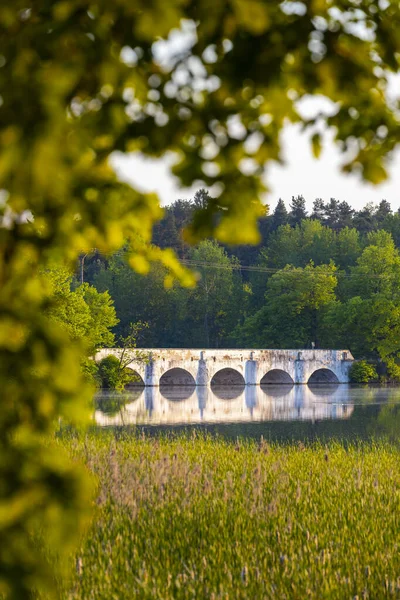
(387, 422)
(112, 403)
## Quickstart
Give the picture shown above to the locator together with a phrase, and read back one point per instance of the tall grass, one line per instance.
(197, 517)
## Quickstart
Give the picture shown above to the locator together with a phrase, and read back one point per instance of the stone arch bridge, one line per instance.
(164, 366)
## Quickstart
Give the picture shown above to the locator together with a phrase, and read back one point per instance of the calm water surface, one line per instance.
(276, 411)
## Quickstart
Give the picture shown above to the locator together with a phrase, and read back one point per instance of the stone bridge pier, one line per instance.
(185, 367)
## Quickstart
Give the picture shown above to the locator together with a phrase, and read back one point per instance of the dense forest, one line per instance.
(330, 278)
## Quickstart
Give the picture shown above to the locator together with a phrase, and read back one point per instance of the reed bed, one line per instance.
(199, 517)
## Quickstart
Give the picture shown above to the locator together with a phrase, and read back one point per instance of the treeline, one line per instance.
(329, 278)
(333, 214)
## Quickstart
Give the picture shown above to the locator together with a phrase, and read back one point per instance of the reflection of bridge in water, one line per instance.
(191, 405)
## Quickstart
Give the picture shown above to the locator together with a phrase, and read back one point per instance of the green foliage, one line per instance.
(80, 80)
(114, 372)
(362, 372)
(140, 297)
(113, 376)
(85, 314)
(176, 519)
(91, 371)
(293, 301)
(393, 369)
(368, 318)
(212, 304)
(311, 240)
(203, 316)
(233, 309)
(109, 372)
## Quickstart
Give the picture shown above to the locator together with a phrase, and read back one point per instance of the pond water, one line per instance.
(291, 412)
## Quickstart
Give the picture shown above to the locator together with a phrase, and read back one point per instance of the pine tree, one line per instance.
(364, 219)
(318, 212)
(383, 211)
(346, 214)
(332, 213)
(297, 210)
(280, 215)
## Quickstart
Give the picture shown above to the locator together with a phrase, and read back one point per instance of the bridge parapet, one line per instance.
(175, 366)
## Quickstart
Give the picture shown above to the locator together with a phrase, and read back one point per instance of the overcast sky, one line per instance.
(302, 174)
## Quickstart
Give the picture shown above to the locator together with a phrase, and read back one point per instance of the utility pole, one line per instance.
(82, 263)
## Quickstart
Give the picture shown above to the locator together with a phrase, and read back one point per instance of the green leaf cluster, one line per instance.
(294, 299)
(362, 372)
(202, 316)
(85, 314)
(113, 375)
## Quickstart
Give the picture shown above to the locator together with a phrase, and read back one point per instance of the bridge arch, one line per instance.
(227, 376)
(275, 376)
(177, 376)
(323, 376)
(137, 379)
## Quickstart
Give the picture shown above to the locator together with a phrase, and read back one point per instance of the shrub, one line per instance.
(393, 370)
(362, 372)
(109, 372)
(113, 375)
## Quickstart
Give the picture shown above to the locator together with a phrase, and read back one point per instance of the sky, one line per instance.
(302, 174)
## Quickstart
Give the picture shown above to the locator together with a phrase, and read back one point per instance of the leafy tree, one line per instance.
(378, 268)
(201, 199)
(85, 314)
(293, 301)
(141, 299)
(175, 315)
(114, 370)
(348, 248)
(110, 373)
(368, 322)
(391, 224)
(315, 242)
(214, 302)
(257, 282)
(81, 80)
(309, 240)
(165, 232)
(183, 212)
(283, 247)
(342, 325)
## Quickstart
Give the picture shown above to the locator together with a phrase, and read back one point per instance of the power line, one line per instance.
(251, 268)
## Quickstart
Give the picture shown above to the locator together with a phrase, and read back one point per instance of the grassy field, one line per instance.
(197, 517)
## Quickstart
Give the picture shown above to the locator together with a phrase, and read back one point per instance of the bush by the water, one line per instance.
(113, 375)
(362, 372)
(198, 517)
